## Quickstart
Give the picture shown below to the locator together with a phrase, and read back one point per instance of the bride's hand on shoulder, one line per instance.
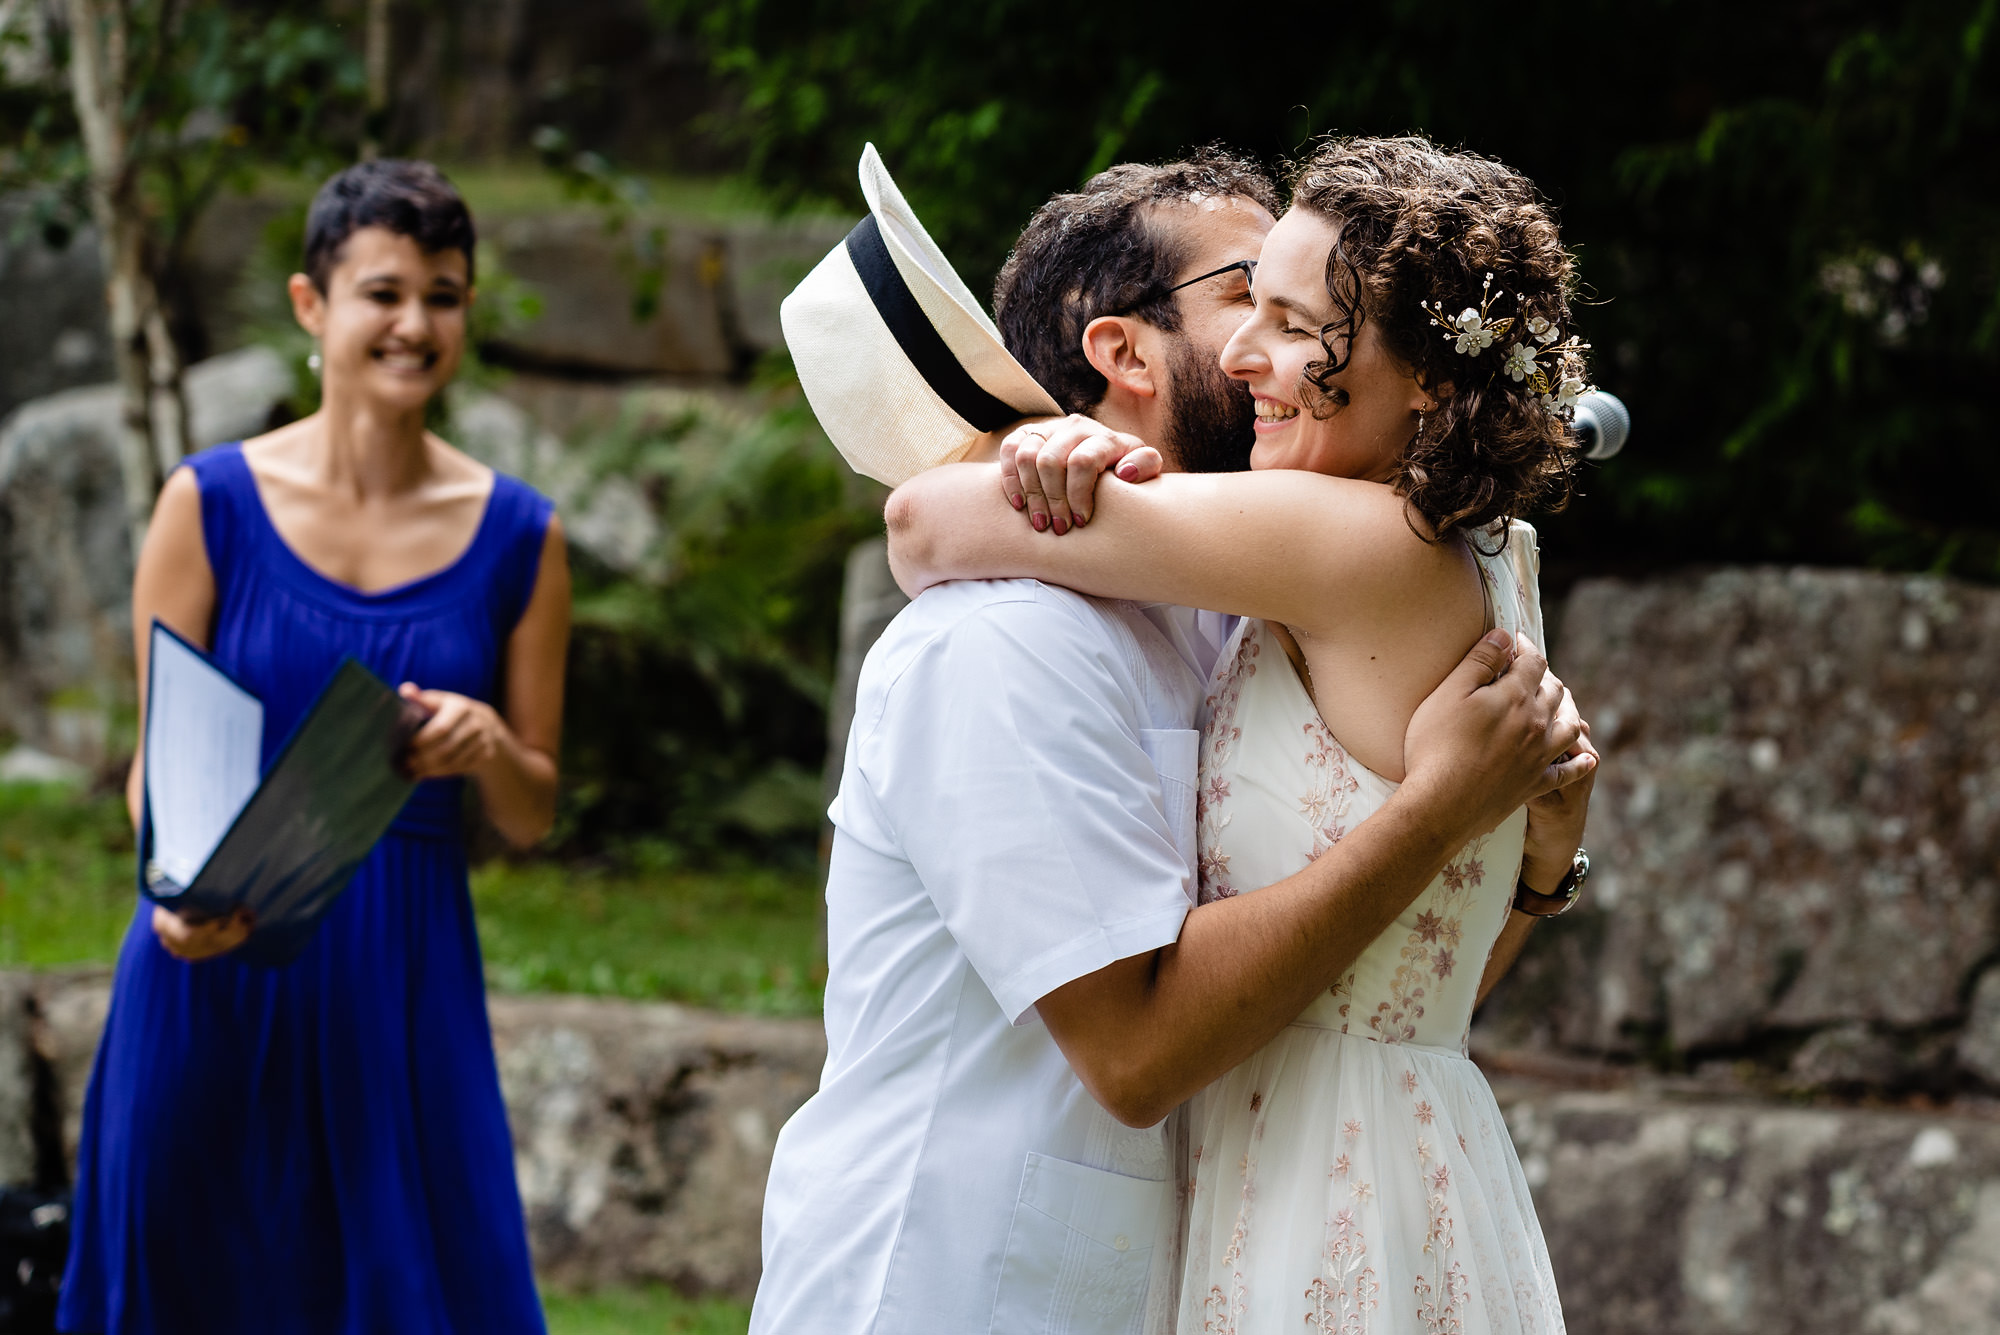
(1050, 468)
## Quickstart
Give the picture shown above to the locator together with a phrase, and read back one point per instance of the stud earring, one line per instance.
(313, 362)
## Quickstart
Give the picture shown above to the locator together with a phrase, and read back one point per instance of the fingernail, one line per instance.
(1039, 520)
(1081, 520)
(1129, 473)
(1062, 526)
(1499, 639)
(1017, 502)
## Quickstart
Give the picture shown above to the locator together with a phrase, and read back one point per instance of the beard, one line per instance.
(1211, 419)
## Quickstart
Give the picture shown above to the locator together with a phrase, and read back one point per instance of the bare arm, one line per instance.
(1147, 1032)
(1258, 544)
(510, 753)
(173, 583)
(1555, 832)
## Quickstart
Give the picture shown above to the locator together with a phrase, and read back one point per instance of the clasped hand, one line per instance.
(1050, 468)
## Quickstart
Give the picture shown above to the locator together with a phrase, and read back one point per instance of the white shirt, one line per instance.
(1016, 811)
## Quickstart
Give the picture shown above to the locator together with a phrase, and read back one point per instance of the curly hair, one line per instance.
(1103, 251)
(1420, 224)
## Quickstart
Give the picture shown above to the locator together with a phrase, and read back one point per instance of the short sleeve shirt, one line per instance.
(1015, 812)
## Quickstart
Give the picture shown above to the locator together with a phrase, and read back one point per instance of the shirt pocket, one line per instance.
(1175, 753)
(1080, 1251)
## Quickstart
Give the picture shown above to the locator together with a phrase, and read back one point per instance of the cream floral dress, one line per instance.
(1355, 1176)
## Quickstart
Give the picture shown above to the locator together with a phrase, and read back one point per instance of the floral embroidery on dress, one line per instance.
(1332, 786)
(1342, 1298)
(1438, 1305)
(1218, 745)
(1429, 952)
(1221, 1310)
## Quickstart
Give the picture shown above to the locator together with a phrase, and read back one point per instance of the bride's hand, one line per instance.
(1050, 468)
(1555, 825)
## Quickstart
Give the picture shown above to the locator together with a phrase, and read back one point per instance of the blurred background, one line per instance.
(1788, 222)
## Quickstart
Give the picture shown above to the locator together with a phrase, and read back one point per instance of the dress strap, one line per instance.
(520, 526)
(228, 502)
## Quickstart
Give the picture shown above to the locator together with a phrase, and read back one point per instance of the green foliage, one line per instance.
(1789, 214)
(216, 90)
(649, 1311)
(700, 673)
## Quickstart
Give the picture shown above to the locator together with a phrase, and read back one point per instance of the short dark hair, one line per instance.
(409, 197)
(1102, 251)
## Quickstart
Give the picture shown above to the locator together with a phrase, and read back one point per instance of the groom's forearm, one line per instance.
(1148, 1032)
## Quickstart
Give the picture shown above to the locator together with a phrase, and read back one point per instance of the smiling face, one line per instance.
(1208, 414)
(1359, 426)
(391, 322)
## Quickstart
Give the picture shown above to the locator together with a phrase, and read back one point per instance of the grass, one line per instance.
(654, 1311)
(744, 939)
(66, 877)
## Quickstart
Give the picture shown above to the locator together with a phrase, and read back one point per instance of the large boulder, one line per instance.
(643, 1135)
(65, 561)
(642, 1132)
(715, 287)
(54, 334)
(1797, 824)
(1674, 1215)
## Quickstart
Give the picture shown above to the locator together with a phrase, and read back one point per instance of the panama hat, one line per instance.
(900, 363)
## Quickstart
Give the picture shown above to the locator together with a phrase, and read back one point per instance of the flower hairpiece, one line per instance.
(1540, 360)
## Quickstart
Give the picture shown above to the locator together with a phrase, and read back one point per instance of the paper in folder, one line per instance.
(219, 832)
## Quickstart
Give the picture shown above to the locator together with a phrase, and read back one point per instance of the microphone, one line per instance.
(1602, 423)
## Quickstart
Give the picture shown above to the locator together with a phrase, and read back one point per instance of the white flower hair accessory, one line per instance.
(1549, 364)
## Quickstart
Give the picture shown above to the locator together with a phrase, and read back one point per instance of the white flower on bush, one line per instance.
(1520, 361)
(1473, 335)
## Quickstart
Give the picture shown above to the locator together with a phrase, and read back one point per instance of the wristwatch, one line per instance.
(1538, 905)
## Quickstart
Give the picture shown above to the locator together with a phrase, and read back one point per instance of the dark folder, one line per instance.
(290, 845)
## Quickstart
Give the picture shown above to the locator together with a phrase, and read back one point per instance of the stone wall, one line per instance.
(1796, 832)
(642, 1133)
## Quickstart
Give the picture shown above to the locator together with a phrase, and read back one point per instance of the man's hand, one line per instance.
(1500, 731)
(1050, 468)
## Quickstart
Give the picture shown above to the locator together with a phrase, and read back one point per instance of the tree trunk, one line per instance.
(98, 36)
(376, 50)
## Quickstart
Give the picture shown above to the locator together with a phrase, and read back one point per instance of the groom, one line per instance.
(1020, 988)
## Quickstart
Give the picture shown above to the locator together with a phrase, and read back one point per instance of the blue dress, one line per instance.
(319, 1147)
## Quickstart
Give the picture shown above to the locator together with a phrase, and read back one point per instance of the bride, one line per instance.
(1410, 358)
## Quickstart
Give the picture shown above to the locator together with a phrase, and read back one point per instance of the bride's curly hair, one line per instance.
(1418, 223)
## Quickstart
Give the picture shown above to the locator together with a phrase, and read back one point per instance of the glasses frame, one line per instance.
(1249, 268)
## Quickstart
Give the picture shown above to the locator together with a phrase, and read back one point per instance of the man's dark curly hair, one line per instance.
(1105, 250)
(1418, 223)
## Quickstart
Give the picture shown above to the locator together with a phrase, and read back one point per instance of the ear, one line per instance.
(1116, 346)
(308, 306)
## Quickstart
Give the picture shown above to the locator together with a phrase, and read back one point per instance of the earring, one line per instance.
(1420, 427)
(313, 362)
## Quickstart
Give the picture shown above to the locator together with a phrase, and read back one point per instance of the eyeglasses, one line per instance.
(1249, 268)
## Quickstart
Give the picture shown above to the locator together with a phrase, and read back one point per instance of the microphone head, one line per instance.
(1602, 423)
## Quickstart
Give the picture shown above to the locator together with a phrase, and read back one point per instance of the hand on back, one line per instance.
(1050, 469)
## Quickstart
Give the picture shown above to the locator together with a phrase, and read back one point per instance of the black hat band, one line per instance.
(918, 338)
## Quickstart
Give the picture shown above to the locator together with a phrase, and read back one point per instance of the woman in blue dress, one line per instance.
(322, 1147)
